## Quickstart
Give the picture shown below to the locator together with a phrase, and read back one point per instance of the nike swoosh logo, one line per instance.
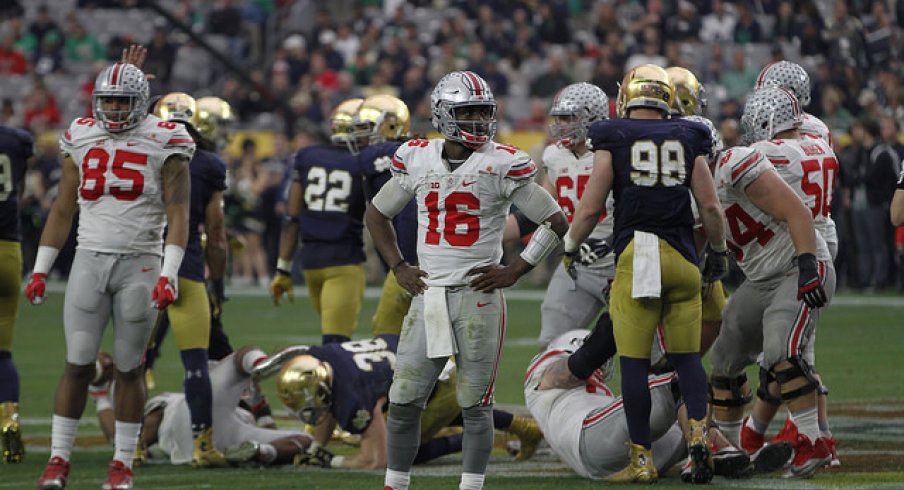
(129, 143)
(481, 305)
(145, 269)
(465, 184)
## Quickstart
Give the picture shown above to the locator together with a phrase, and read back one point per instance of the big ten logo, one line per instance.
(434, 185)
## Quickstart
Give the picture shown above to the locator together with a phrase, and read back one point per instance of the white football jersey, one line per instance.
(810, 167)
(120, 196)
(561, 413)
(762, 245)
(812, 127)
(569, 174)
(461, 214)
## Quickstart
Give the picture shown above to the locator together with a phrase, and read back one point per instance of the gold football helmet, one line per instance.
(689, 97)
(305, 385)
(178, 107)
(215, 119)
(645, 86)
(383, 117)
(342, 123)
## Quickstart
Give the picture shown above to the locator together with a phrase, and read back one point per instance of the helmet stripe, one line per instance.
(114, 74)
(760, 79)
(475, 80)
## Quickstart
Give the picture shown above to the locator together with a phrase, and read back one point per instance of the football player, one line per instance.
(586, 425)
(167, 419)
(464, 184)
(789, 277)
(689, 102)
(809, 166)
(653, 165)
(190, 314)
(326, 208)
(384, 122)
(792, 77)
(346, 385)
(16, 147)
(127, 174)
(897, 202)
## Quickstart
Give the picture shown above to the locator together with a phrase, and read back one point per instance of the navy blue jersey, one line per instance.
(362, 373)
(16, 147)
(208, 175)
(379, 157)
(653, 162)
(332, 222)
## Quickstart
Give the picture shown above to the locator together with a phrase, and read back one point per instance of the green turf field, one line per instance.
(858, 354)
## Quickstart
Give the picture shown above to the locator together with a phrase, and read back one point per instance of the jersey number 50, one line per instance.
(657, 165)
(94, 174)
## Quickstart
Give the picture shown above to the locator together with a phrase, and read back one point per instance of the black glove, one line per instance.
(316, 455)
(594, 249)
(809, 284)
(715, 266)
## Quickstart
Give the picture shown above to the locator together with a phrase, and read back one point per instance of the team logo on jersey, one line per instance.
(362, 418)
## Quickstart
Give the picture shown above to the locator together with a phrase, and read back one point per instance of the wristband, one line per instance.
(44, 259)
(570, 245)
(284, 266)
(172, 260)
(720, 248)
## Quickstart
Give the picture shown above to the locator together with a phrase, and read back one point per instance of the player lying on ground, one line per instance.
(346, 385)
(167, 423)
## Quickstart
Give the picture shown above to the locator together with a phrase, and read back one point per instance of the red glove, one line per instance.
(35, 289)
(165, 293)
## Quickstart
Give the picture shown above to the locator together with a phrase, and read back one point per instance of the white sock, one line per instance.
(62, 436)
(731, 429)
(806, 422)
(125, 441)
(267, 453)
(397, 480)
(756, 425)
(471, 481)
(251, 358)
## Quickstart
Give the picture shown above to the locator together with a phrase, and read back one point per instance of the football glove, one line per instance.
(36, 288)
(282, 283)
(568, 259)
(165, 293)
(809, 284)
(217, 295)
(594, 249)
(715, 266)
(316, 455)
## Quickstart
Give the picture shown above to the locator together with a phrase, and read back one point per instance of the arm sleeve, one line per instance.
(534, 202)
(392, 198)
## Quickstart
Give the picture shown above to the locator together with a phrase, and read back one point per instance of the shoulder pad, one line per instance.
(739, 161)
(402, 158)
(520, 164)
(81, 131)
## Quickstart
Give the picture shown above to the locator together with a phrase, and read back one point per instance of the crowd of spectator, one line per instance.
(289, 62)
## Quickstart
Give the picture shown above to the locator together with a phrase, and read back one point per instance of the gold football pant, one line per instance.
(393, 306)
(189, 316)
(10, 282)
(337, 293)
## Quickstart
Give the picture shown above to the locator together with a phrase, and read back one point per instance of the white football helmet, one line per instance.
(457, 90)
(769, 111)
(572, 340)
(585, 103)
(715, 136)
(786, 75)
(120, 81)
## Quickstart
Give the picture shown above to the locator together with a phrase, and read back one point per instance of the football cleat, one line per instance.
(751, 440)
(149, 380)
(698, 449)
(771, 457)
(788, 433)
(140, 457)
(730, 462)
(244, 453)
(640, 467)
(528, 432)
(204, 455)
(119, 477)
(55, 474)
(11, 433)
(808, 457)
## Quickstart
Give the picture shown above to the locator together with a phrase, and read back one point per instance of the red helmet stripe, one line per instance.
(762, 77)
(114, 75)
(475, 80)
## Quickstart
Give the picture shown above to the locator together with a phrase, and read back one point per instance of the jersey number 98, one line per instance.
(653, 164)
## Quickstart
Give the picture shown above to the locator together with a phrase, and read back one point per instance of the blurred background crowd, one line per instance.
(284, 64)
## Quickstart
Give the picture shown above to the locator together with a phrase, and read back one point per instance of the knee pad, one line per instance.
(735, 386)
(762, 392)
(799, 369)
